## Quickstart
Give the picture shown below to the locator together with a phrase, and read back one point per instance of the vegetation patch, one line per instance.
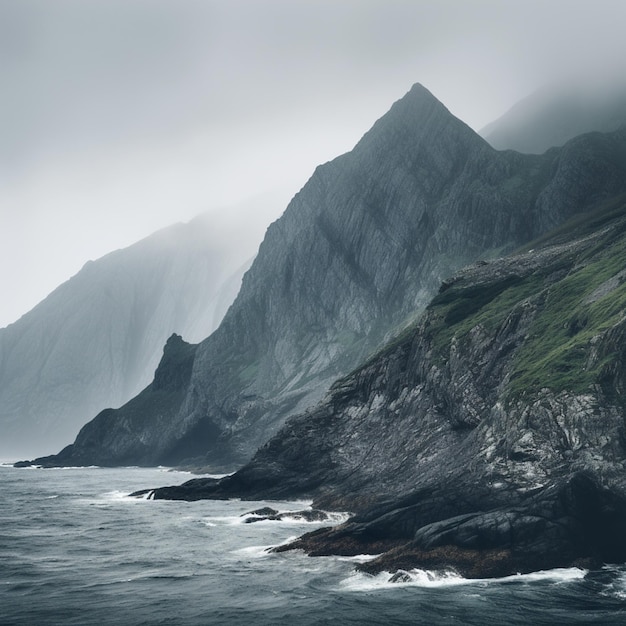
(555, 354)
(456, 311)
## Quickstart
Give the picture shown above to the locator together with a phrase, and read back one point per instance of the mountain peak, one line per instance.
(418, 90)
(419, 119)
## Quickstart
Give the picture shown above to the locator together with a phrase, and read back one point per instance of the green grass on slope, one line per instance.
(457, 311)
(556, 351)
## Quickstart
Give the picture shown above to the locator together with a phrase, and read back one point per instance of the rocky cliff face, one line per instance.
(489, 436)
(149, 409)
(359, 251)
(97, 339)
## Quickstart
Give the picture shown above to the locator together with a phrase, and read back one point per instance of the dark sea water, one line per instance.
(75, 550)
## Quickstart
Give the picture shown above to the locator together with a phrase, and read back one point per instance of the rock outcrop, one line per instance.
(151, 408)
(359, 251)
(488, 437)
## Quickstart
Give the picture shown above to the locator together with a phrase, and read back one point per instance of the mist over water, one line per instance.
(74, 549)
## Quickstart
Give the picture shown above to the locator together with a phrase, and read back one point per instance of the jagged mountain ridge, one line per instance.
(489, 436)
(359, 250)
(96, 340)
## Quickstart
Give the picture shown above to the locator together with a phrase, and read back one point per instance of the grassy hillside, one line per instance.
(578, 295)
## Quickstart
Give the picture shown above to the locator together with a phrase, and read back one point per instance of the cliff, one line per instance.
(489, 436)
(359, 251)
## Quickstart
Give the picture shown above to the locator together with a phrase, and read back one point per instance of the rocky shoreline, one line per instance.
(444, 461)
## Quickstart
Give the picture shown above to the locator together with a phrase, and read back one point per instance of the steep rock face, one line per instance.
(361, 249)
(97, 339)
(152, 407)
(555, 114)
(489, 436)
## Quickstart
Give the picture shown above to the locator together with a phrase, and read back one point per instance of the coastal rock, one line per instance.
(155, 403)
(488, 437)
(269, 514)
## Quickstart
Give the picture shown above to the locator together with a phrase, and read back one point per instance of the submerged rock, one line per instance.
(267, 513)
(401, 576)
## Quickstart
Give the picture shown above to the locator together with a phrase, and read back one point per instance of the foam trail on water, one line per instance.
(358, 558)
(432, 579)
(256, 552)
(123, 496)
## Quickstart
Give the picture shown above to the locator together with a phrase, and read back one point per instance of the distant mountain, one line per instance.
(97, 339)
(489, 437)
(359, 252)
(557, 113)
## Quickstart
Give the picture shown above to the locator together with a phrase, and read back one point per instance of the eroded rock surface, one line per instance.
(489, 437)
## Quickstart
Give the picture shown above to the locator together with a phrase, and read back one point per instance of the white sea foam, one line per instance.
(223, 520)
(286, 520)
(557, 575)
(418, 578)
(53, 469)
(617, 587)
(358, 558)
(256, 552)
(123, 496)
(425, 578)
(294, 517)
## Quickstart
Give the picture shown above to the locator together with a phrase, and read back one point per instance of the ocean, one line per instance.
(76, 550)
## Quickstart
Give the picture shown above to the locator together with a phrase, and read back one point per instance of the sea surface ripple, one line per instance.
(75, 550)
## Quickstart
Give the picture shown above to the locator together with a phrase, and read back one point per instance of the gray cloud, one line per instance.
(121, 116)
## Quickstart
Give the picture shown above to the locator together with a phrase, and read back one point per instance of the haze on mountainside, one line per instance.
(96, 340)
(120, 118)
(558, 112)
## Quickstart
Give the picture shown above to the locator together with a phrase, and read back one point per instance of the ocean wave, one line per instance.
(305, 515)
(615, 587)
(358, 558)
(256, 552)
(429, 579)
(118, 495)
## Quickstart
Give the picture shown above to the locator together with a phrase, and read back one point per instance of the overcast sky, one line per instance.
(119, 117)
